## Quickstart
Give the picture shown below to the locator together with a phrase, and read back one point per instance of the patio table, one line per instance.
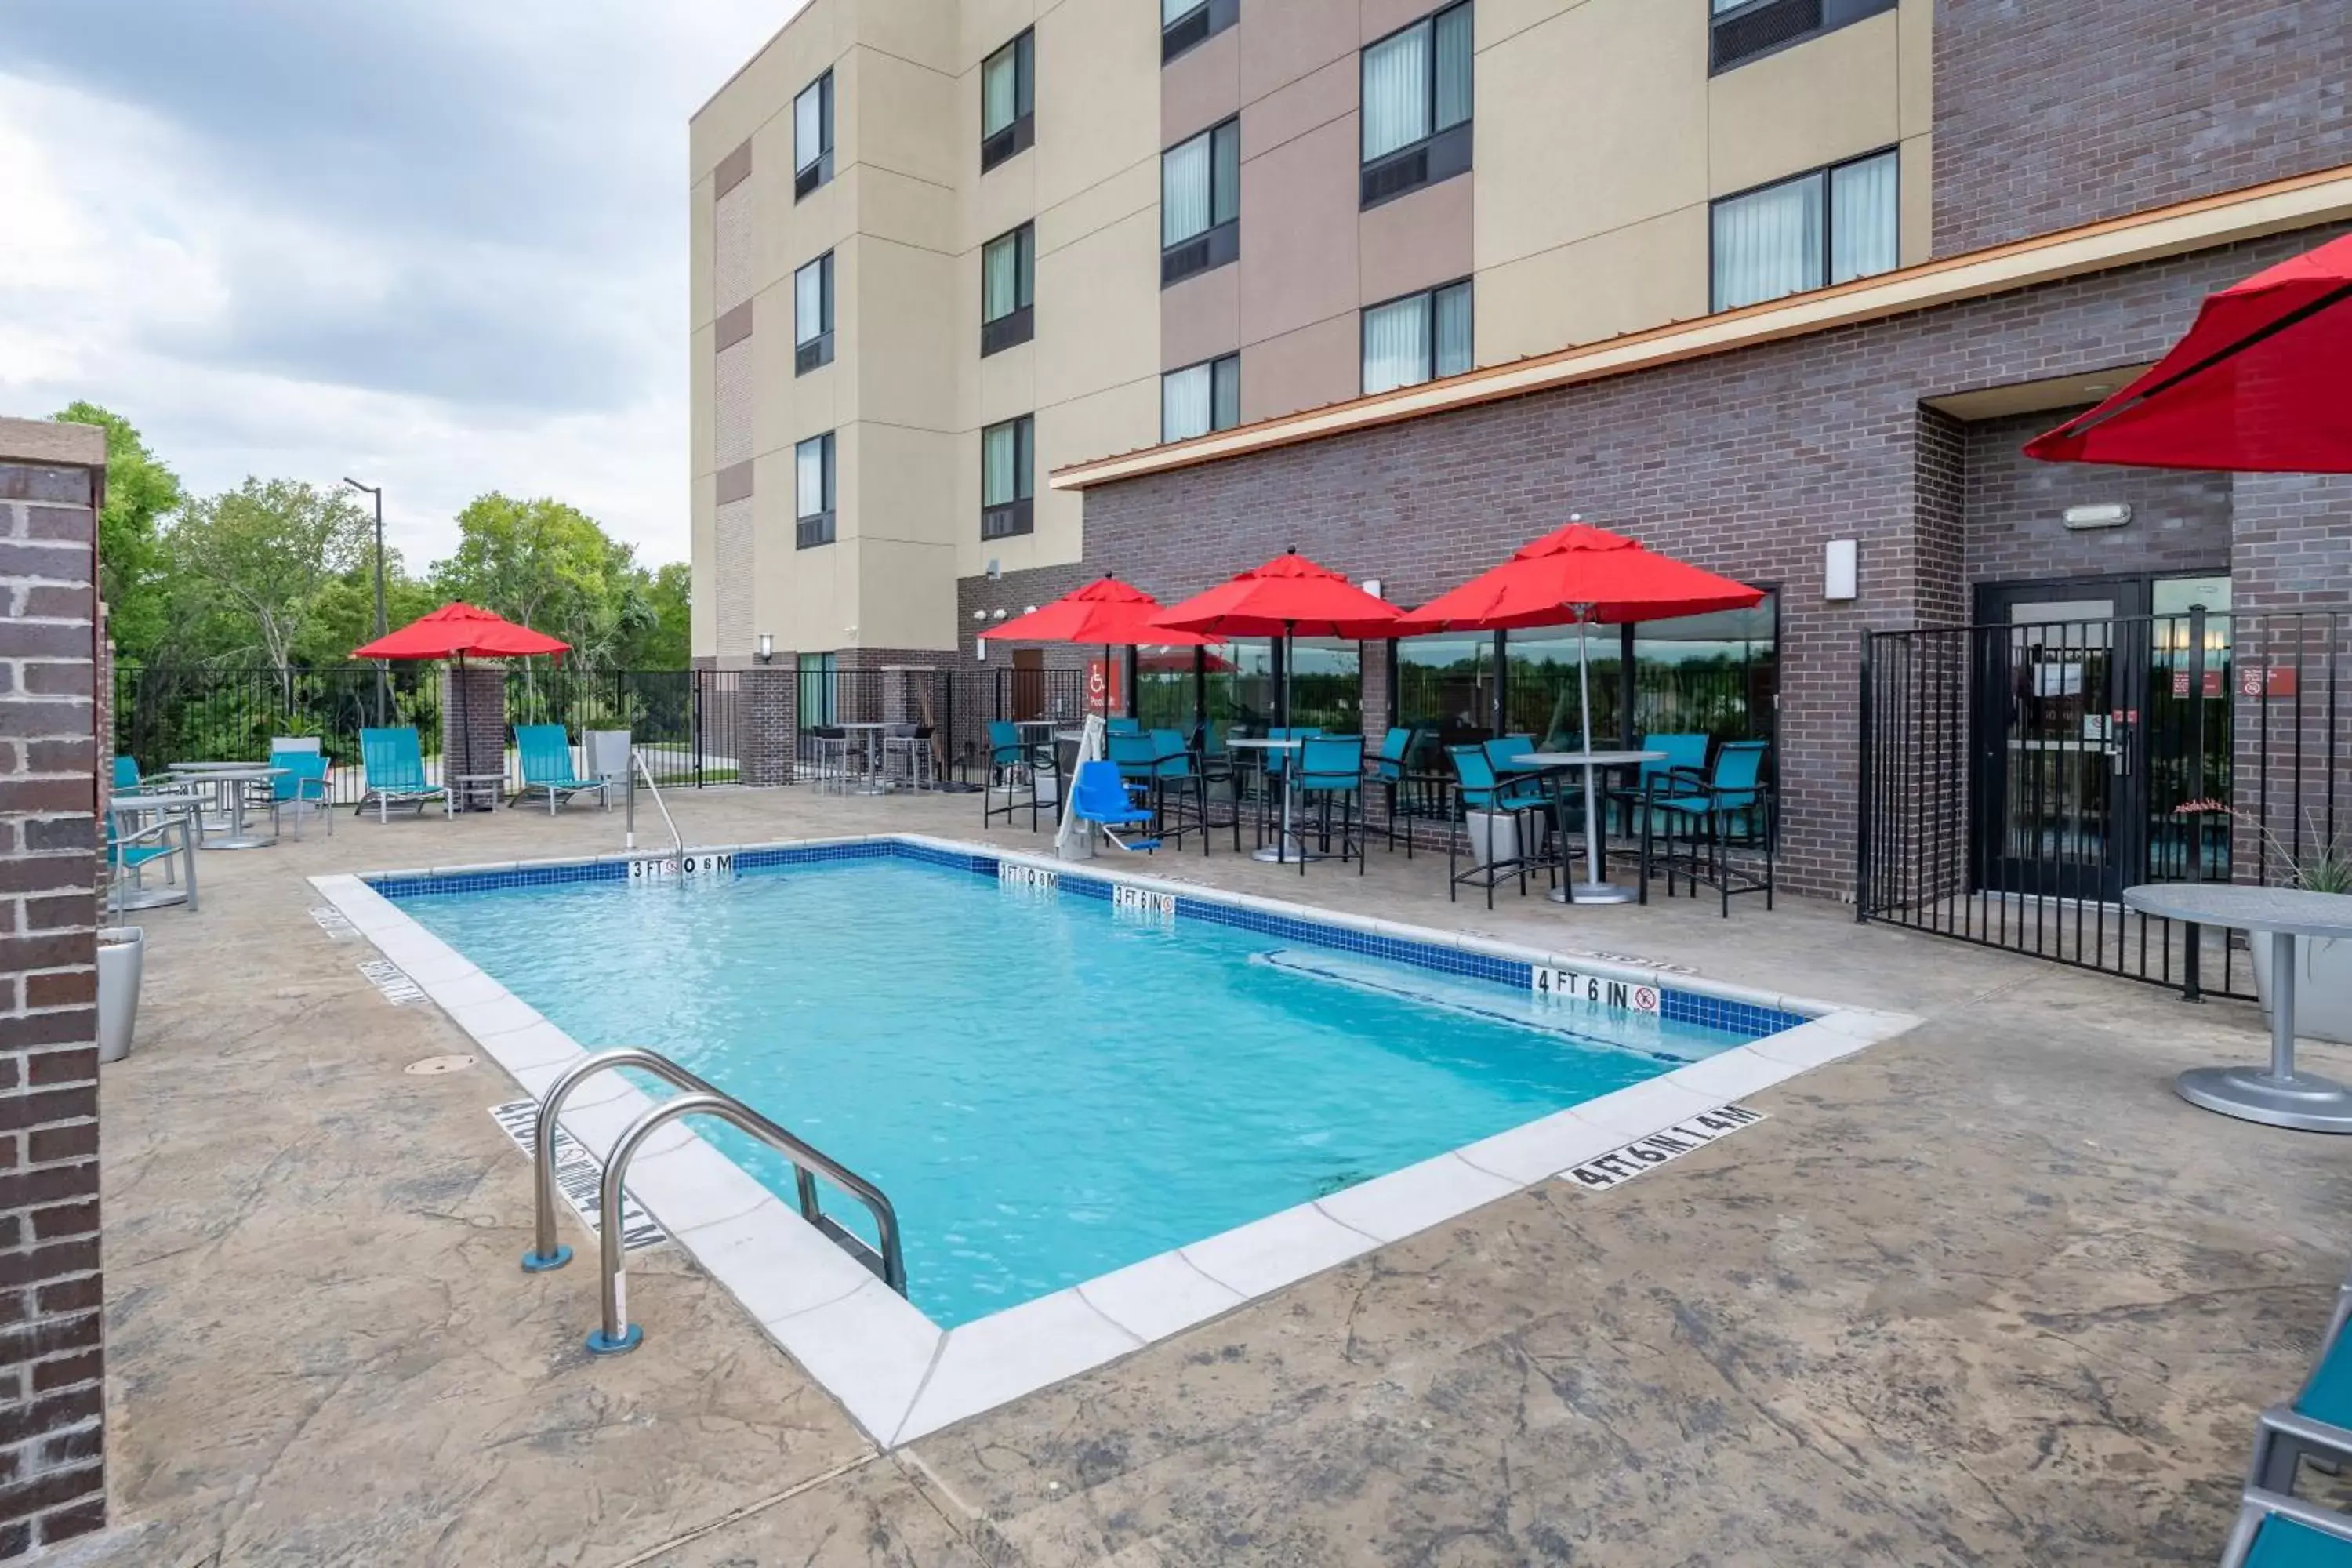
(869, 751)
(1593, 889)
(1283, 836)
(477, 791)
(227, 782)
(2279, 1096)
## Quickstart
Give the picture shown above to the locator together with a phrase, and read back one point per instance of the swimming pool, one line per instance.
(1048, 1087)
(1050, 1069)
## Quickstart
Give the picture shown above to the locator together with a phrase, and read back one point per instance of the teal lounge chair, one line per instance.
(394, 764)
(547, 768)
(1099, 795)
(2278, 1532)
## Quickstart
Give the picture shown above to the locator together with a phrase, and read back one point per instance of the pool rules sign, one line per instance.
(1647, 1153)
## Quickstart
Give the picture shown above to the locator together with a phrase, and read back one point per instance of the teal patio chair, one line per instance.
(546, 752)
(393, 763)
(1099, 796)
(301, 786)
(1011, 763)
(2274, 1531)
(1703, 815)
(126, 775)
(170, 841)
(1331, 767)
(2316, 1422)
(1123, 726)
(1392, 777)
(1177, 774)
(1479, 788)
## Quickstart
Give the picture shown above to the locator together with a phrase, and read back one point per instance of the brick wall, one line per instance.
(1746, 462)
(2294, 538)
(52, 1396)
(769, 721)
(2050, 114)
(473, 719)
(2016, 511)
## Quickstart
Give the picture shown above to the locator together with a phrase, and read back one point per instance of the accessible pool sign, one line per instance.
(1622, 1164)
(675, 868)
(1572, 986)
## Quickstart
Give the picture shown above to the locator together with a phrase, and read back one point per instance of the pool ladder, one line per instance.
(618, 1335)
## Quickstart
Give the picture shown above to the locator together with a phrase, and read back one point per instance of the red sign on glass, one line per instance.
(1106, 685)
(2266, 680)
(2212, 683)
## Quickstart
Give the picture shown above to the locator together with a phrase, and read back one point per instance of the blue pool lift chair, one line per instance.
(2274, 1531)
(1100, 796)
(393, 762)
(546, 752)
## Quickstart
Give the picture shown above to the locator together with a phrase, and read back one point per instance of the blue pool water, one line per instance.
(1046, 1088)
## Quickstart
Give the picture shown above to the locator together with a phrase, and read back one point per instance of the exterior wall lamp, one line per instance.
(767, 652)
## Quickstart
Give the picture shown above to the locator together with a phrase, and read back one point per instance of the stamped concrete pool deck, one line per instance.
(1985, 1293)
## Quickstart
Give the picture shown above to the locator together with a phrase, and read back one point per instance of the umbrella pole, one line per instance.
(1593, 889)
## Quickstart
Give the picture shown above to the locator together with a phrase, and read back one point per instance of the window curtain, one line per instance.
(1396, 92)
(996, 455)
(1000, 277)
(1863, 218)
(808, 126)
(1396, 345)
(1184, 190)
(1187, 403)
(1225, 179)
(1769, 242)
(1225, 410)
(1453, 67)
(809, 323)
(1454, 341)
(999, 91)
(810, 477)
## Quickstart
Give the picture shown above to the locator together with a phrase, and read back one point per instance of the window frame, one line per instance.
(1017, 325)
(1441, 154)
(1194, 27)
(1010, 519)
(1219, 245)
(1829, 223)
(812, 529)
(1008, 142)
(1211, 364)
(814, 353)
(1363, 333)
(1832, 15)
(818, 170)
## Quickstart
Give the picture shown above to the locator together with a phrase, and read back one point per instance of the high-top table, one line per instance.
(1284, 836)
(1593, 889)
(2279, 1096)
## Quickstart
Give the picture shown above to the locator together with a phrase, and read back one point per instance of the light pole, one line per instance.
(377, 491)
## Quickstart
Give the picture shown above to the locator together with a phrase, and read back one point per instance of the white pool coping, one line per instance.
(899, 1375)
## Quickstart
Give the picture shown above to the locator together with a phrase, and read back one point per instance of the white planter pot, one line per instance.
(1494, 837)
(122, 958)
(2323, 985)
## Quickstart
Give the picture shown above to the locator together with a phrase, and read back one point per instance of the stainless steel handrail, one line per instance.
(545, 1252)
(618, 1335)
(638, 765)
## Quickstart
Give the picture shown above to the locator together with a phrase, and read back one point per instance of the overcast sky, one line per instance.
(437, 245)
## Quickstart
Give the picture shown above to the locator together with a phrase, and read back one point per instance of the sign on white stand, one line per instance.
(1074, 840)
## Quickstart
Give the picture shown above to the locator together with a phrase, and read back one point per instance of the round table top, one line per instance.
(1588, 758)
(234, 773)
(1268, 743)
(156, 800)
(209, 767)
(2289, 910)
(863, 724)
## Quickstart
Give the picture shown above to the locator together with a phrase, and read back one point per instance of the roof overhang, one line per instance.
(2302, 201)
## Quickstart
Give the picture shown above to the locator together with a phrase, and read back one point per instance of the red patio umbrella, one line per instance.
(453, 631)
(2263, 383)
(1287, 595)
(1105, 613)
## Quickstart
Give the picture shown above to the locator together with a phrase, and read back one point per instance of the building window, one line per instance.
(813, 136)
(1416, 98)
(1185, 23)
(813, 491)
(1008, 268)
(1744, 30)
(820, 682)
(1829, 226)
(1418, 337)
(813, 315)
(1008, 101)
(1007, 454)
(1200, 398)
(1201, 203)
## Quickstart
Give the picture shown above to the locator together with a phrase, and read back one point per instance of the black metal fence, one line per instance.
(686, 723)
(2015, 778)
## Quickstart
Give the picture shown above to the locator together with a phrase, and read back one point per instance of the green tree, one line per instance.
(552, 566)
(133, 572)
(266, 551)
(668, 643)
(342, 615)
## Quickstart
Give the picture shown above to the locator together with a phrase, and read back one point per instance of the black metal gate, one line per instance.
(2017, 774)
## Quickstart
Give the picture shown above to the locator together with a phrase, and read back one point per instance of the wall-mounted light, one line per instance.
(2104, 514)
(996, 616)
(979, 649)
(767, 647)
(1028, 609)
(1841, 570)
(980, 614)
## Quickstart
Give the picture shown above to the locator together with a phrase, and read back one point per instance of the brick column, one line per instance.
(767, 726)
(52, 1392)
(473, 719)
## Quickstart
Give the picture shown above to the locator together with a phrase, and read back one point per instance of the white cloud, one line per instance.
(438, 247)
